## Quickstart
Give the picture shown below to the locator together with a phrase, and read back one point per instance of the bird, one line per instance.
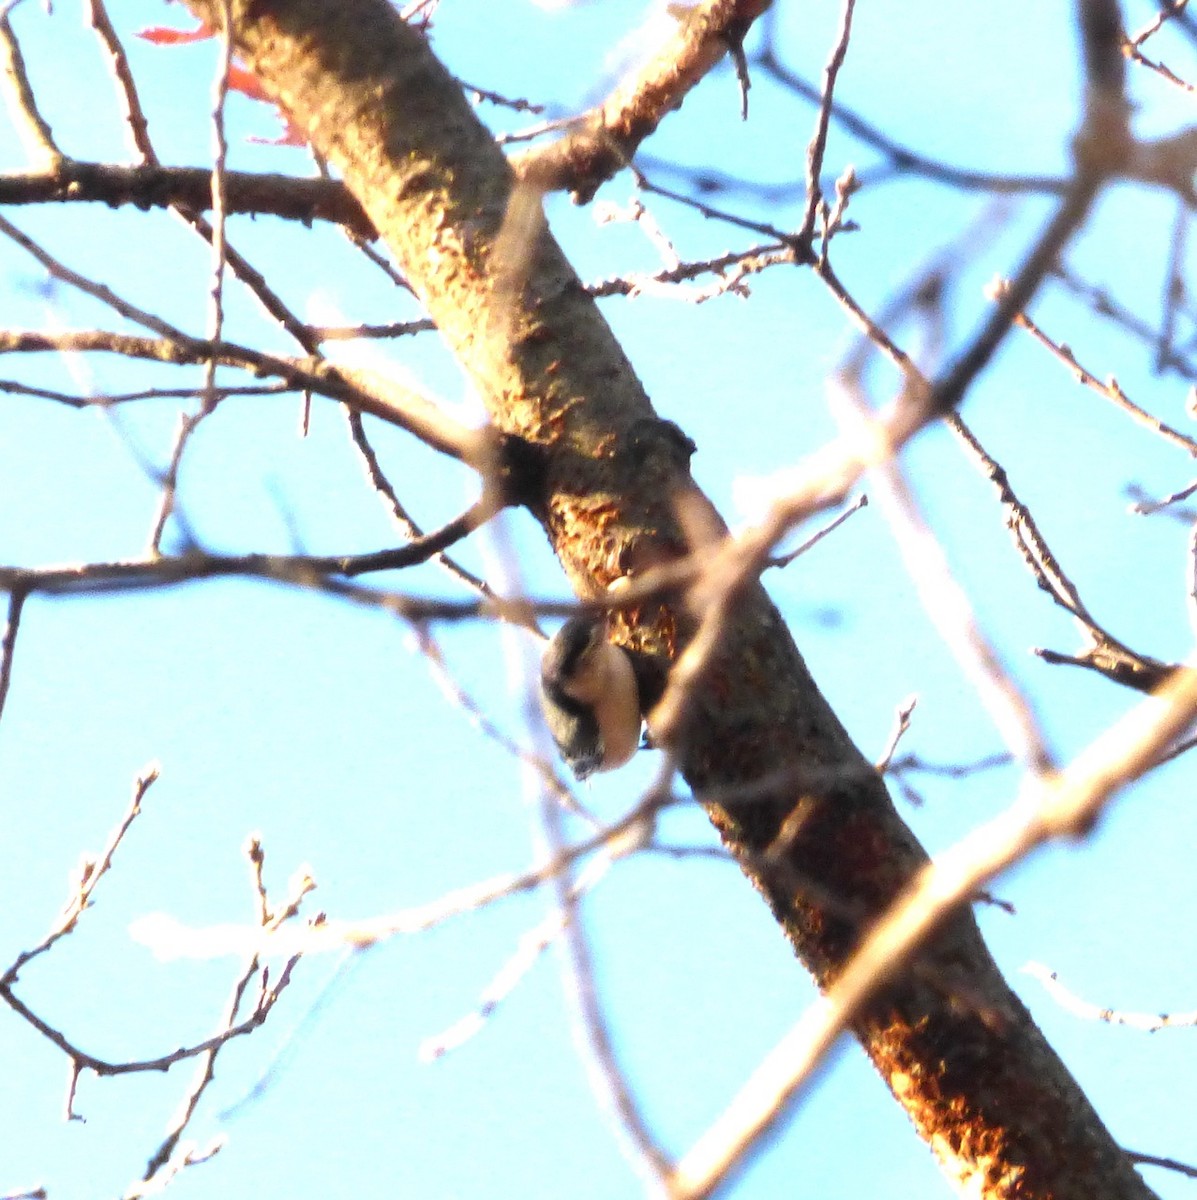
(590, 697)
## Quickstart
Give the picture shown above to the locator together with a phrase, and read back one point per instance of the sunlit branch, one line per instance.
(1063, 807)
(726, 273)
(762, 228)
(118, 62)
(379, 397)
(899, 731)
(92, 869)
(215, 235)
(313, 571)
(527, 954)
(1133, 43)
(31, 126)
(1168, 11)
(1072, 1003)
(603, 141)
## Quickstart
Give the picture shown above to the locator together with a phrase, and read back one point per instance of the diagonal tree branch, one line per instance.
(956, 1046)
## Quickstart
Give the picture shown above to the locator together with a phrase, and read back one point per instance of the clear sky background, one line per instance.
(321, 727)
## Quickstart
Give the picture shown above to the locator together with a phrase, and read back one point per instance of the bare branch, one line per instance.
(1064, 807)
(1071, 1002)
(1105, 653)
(903, 161)
(818, 143)
(91, 871)
(31, 125)
(8, 643)
(605, 139)
(172, 1154)
(1169, 1164)
(784, 560)
(382, 398)
(1104, 305)
(945, 601)
(135, 120)
(189, 423)
(151, 186)
(1132, 44)
(610, 1082)
(1110, 389)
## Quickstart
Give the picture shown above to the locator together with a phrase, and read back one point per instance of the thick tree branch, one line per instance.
(956, 1046)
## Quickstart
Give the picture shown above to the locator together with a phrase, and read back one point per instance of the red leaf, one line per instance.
(240, 80)
(159, 35)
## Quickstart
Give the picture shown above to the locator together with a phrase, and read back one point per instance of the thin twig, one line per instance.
(1072, 1003)
(91, 871)
(97, 291)
(8, 643)
(818, 142)
(1169, 1164)
(1104, 305)
(171, 1155)
(462, 699)
(945, 601)
(110, 399)
(373, 394)
(1104, 652)
(527, 954)
(1132, 43)
(1174, 285)
(1170, 9)
(1110, 389)
(189, 423)
(902, 160)
(607, 1077)
(399, 514)
(899, 731)
(784, 560)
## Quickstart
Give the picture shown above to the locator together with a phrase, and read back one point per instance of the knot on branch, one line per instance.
(520, 470)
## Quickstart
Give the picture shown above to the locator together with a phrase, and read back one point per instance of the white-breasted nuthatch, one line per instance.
(590, 697)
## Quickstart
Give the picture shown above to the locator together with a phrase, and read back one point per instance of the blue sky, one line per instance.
(320, 726)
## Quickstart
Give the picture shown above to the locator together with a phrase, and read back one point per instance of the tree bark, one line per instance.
(956, 1046)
